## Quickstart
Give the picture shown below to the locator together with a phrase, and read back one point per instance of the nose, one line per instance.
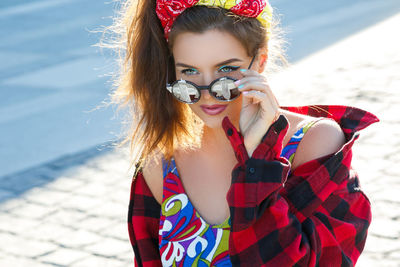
(208, 78)
(205, 94)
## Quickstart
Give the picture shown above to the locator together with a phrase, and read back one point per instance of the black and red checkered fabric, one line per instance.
(316, 215)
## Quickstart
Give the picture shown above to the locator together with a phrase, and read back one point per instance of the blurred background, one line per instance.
(64, 190)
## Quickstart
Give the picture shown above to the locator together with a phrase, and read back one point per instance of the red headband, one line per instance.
(168, 11)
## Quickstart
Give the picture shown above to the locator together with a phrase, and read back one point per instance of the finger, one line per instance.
(273, 102)
(256, 96)
(272, 96)
(247, 72)
(259, 86)
(263, 87)
(251, 79)
(268, 103)
(276, 101)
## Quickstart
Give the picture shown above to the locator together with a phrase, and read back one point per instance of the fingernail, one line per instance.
(243, 70)
(245, 92)
(237, 82)
(240, 86)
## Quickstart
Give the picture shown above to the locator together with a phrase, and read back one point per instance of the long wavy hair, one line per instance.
(157, 121)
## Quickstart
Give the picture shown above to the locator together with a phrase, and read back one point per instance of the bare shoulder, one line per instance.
(153, 175)
(323, 138)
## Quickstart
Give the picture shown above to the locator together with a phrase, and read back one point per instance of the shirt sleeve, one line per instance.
(143, 221)
(316, 216)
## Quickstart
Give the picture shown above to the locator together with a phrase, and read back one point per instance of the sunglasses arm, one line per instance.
(169, 87)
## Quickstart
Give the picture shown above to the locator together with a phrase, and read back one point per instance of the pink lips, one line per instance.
(214, 109)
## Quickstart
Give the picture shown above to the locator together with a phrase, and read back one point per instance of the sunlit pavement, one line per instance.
(74, 213)
(71, 210)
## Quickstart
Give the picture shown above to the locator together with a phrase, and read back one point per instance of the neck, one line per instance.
(214, 140)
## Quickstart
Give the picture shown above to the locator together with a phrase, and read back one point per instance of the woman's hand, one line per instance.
(259, 108)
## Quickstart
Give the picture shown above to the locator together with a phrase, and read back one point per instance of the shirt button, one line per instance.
(252, 170)
(230, 132)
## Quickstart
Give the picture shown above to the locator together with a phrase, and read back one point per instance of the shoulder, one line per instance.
(153, 175)
(322, 138)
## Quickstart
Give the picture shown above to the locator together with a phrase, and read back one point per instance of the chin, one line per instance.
(215, 121)
(210, 121)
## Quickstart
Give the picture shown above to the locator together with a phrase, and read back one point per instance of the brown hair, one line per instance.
(159, 123)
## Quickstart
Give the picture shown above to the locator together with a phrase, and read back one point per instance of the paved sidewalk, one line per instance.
(69, 212)
(72, 211)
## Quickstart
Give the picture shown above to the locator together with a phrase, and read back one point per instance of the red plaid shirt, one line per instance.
(315, 215)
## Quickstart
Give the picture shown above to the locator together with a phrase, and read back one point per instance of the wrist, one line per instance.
(250, 147)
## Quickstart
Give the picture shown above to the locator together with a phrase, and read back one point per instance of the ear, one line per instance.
(262, 59)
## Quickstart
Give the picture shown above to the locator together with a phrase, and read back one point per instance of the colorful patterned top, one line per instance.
(185, 238)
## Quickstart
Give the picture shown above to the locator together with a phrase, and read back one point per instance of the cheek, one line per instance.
(195, 107)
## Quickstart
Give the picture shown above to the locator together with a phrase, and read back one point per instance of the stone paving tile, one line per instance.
(78, 238)
(117, 231)
(109, 247)
(81, 202)
(16, 225)
(50, 232)
(98, 224)
(17, 246)
(33, 211)
(100, 262)
(110, 210)
(15, 261)
(66, 184)
(64, 257)
(10, 201)
(67, 217)
(45, 197)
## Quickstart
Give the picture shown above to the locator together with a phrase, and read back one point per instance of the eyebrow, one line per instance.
(219, 64)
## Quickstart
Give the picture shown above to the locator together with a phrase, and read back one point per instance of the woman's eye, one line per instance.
(228, 68)
(222, 69)
(188, 71)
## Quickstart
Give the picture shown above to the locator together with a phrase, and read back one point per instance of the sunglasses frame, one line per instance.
(203, 87)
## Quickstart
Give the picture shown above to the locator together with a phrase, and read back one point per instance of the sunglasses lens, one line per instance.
(225, 90)
(185, 92)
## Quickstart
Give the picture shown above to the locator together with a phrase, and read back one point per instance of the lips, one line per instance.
(214, 109)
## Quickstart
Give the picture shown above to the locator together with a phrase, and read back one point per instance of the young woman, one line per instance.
(226, 176)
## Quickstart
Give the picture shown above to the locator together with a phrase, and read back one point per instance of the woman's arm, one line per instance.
(317, 216)
(323, 138)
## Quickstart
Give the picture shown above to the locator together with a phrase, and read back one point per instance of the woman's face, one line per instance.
(202, 58)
